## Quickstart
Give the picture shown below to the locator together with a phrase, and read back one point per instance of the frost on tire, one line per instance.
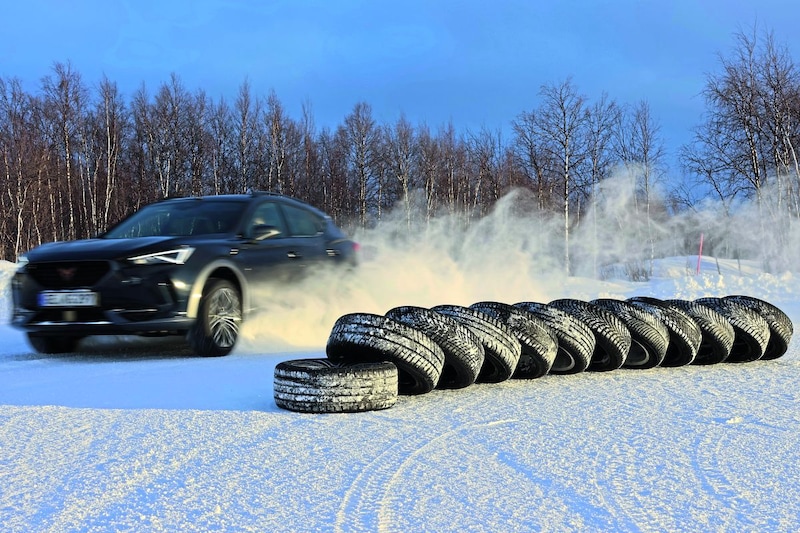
(323, 386)
(717, 332)
(575, 339)
(538, 343)
(685, 335)
(365, 337)
(612, 337)
(649, 335)
(501, 348)
(751, 330)
(463, 352)
(780, 325)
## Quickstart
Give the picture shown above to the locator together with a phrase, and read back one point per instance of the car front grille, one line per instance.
(68, 275)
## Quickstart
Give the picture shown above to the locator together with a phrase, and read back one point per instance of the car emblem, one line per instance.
(67, 273)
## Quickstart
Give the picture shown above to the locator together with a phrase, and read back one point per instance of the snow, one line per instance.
(138, 435)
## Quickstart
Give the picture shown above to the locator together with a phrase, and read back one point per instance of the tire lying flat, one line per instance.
(539, 345)
(780, 325)
(365, 337)
(649, 335)
(612, 337)
(751, 330)
(685, 335)
(501, 348)
(575, 339)
(322, 386)
(463, 352)
(717, 332)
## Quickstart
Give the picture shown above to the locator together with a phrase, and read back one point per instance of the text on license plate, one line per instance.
(68, 299)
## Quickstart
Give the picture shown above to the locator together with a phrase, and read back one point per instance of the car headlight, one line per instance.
(176, 257)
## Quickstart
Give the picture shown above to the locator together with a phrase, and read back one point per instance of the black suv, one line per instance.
(181, 266)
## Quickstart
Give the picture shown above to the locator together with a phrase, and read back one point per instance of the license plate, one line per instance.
(68, 299)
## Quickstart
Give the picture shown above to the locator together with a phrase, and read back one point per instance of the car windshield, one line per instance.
(179, 218)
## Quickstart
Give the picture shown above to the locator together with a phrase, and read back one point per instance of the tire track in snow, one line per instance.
(640, 466)
(719, 458)
(623, 487)
(367, 501)
(607, 498)
(137, 468)
(707, 451)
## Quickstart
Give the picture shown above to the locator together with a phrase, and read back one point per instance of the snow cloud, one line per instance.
(516, 254)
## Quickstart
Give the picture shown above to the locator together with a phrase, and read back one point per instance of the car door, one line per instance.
(267, 253)
(306, 230)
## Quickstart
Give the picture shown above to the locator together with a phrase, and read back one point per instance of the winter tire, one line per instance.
(780, 326)
(538, 344)
(717, 332)
(463, 352)
(751, 330)
(574, 338)
(612, 337)
(53, 345)
(322, 386)
(364, 337)
(219, 316)
(649, 335)
(685, 335)
(501, 348)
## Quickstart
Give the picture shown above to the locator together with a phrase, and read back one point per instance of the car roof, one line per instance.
(249, 197)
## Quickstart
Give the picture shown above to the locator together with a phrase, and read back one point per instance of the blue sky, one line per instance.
(475, 63)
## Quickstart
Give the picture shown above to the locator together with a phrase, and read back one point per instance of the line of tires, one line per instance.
(412, 350)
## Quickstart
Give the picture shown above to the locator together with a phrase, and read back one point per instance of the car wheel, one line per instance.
(323, 386)
(61, 344)
(365, 338)
(218, 319)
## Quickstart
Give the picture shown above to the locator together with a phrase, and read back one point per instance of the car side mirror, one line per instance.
(264, 231)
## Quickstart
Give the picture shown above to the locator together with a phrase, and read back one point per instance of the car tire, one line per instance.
(780, 325)
(463, 352)
(501, 347)
(751, 330)
(53, 345)
(717, 332)
(366, 338)
(611, 335)
(575, 341)
(538, 343)
(649, 335)
(685, 335)
(323, 386)
(219, 316)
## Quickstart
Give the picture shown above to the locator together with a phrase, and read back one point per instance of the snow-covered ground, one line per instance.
(138, 435)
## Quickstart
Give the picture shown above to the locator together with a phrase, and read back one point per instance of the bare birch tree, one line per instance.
(562, 122)
(362, 136)
(402, 152)
(65, 102)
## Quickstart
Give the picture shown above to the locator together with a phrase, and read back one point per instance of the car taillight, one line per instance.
(356, 247)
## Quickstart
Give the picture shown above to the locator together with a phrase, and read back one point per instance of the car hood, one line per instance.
(102, 249)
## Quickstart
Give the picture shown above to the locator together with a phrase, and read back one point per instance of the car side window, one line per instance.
(302, 223)
(267, 214)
